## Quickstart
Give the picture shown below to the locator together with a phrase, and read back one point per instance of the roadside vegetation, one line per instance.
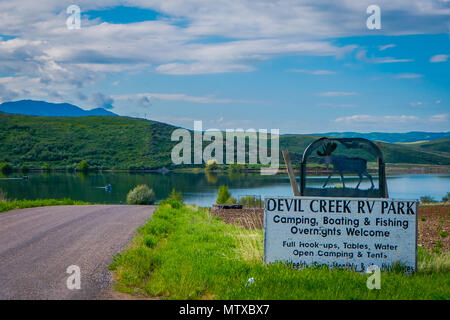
(186, 253)
(141, 195)
(251, 202)
(427, 200)
(7, 205)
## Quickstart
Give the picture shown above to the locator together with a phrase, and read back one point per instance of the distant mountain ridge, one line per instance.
(48, 109)
(43, 108)
(413, 136)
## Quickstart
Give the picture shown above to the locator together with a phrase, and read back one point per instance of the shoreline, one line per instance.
(390, 168)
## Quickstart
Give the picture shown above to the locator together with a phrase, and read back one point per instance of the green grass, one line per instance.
(186, 253)
(22, 204)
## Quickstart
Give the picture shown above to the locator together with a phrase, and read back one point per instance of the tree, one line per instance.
(211, 165)
(224, 196)
(24, 168)
(5, 167)
(83, 166)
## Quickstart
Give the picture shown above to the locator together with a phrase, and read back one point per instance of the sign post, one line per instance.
(352, 233)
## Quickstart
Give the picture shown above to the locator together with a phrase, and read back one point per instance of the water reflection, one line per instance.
(198, 188)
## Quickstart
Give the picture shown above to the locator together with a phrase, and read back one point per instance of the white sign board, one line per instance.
(351, 233)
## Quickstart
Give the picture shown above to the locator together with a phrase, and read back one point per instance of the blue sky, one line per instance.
(299, 66)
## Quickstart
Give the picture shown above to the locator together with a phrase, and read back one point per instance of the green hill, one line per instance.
(104, 141)
(108, 142)
(392, 137)
(438, 153)
(442, 145)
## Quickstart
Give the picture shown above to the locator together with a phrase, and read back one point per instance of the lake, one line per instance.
(197, 188)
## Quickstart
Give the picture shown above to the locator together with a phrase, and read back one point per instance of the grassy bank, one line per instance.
(22, 204)
(186, 253)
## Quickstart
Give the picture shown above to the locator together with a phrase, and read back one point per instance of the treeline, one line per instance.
(122, 143)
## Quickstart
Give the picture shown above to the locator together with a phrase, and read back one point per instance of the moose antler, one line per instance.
(327, 149)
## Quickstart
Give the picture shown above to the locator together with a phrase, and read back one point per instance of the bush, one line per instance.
(24, 168)
(83, 166)
(211, 165)
(5, 167)
(236, 167)
(178, 196)
(150, 240)
(3, 196)
(175, 200)
(142, 194)
(427, 199)
(251, 202)
(446, 197)
(231, 200)
(46, 167)
(224, 196)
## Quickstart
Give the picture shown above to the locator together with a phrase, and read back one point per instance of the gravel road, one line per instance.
(38, 244)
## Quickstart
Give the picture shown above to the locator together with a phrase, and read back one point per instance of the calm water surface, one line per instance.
(197, 188)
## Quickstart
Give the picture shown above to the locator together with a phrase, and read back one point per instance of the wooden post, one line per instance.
(382, 175)
(287, 161)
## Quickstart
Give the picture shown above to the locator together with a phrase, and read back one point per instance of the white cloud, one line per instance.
(387, 46)
(337, 105)
(362, 55)
(439, 58)
(176, 97)
(201, 68)
(313, 72)
(6, 94)
(364, 118)
(100, 100)
(416, 103)
(439, 118)
(52, 59)
(408, 76)
(337, 94)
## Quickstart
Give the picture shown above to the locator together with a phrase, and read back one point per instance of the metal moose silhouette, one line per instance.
(342, 163)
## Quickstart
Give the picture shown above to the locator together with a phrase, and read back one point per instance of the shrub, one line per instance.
(175, 200)
(46, 167)
(231, 200)
(427, 199)
(236, 167)
(142, 194)
(5, 167)
(251, 202)
(3, 196)
(178, 196)
(446, 197)
(150, 240)
(24, 168)
(224, 196)
(211, 165)
(83, 166)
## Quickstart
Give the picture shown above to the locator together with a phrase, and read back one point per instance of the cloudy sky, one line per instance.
(300, 66)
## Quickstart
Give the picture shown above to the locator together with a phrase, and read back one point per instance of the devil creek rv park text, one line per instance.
(347, 233)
